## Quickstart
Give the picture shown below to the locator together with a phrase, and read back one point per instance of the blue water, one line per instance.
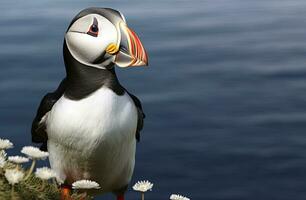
(224, 94)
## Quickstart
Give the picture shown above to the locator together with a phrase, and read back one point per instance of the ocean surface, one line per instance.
(225, 93)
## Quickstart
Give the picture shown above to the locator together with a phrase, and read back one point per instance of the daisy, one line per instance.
(35, 154)
(45, 173)
(13, 176)
(18, 159)
(85, 184)
(5, 144)
(143, 186)
(178, 197)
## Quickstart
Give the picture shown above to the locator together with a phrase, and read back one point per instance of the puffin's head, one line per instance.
(100, 37)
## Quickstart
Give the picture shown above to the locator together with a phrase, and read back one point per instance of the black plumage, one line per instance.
(38, 129)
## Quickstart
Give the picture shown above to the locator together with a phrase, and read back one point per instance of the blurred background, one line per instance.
(224, 94)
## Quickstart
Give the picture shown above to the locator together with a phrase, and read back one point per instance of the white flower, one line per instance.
(5, 144)
(2, 162)
(143, 186)
(178, 197)
(34, 152)
(85, 184)
(13, 176)
(18, 159)
(45, 173)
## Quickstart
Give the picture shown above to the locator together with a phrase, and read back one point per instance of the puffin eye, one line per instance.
(94, 29)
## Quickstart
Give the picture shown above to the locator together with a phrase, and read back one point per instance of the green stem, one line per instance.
(142, 196)
(84, 195)
(31, 169)
(2, 153)
(12, 192)
(42, 186)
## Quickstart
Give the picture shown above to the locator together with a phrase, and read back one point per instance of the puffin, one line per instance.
(90, 124)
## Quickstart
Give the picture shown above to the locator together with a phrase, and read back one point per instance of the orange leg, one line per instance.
(65, 192)
(120, 197)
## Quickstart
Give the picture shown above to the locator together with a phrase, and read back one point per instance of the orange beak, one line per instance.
(131, 51)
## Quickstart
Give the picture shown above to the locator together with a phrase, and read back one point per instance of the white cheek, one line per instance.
(83, 47)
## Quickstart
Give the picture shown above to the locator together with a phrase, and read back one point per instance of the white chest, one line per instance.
(93, 138)
(87, 121)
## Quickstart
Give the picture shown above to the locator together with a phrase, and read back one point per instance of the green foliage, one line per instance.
(32, 188)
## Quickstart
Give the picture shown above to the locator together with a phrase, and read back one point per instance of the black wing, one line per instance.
(141, 115)
(38, 130)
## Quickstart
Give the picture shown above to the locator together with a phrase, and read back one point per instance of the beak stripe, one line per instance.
(135, 54)
(140, 51)
(134, 46)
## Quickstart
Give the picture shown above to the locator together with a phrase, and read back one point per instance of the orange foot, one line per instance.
(65, 192)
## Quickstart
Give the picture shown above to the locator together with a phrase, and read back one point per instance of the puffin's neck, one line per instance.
(82, 80)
